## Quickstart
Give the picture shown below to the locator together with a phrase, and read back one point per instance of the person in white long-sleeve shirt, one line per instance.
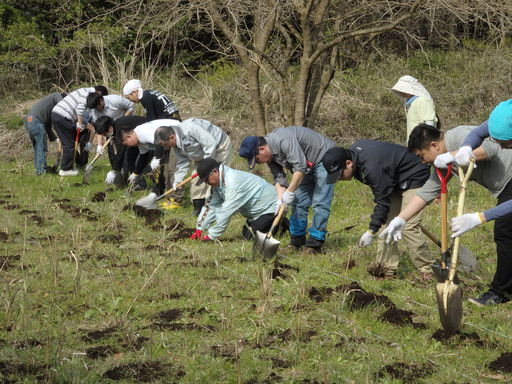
(194, 140)
(234, 191)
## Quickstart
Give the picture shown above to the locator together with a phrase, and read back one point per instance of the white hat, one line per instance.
(412, 86)
(133, 85)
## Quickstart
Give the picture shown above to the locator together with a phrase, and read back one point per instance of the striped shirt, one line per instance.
(73, 104)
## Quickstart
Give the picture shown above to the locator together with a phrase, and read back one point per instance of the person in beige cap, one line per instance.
(419, 105)
(158, 106)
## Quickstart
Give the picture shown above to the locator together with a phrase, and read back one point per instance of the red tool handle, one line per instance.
(444, 178)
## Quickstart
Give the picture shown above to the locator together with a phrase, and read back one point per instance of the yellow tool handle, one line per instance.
(277, 220)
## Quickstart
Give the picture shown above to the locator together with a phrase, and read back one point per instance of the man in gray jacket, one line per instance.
(301, 151)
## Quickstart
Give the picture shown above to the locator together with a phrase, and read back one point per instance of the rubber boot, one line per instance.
(198, 205)
(313, 245)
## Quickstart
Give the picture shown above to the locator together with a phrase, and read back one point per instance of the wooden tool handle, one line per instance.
(98, 154)
(277, 220)
(464, 178)
(169, 191)
(430, 235)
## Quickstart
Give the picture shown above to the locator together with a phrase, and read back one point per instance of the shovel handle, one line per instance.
(98, 155)
(464, 178)
(444, 206)
(276, 221)
(169, 191)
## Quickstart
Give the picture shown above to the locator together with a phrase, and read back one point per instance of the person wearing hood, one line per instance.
(235, 191)
(394, 174)
(419, 105)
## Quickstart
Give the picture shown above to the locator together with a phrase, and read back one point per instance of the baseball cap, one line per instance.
(249, 149)
(500, 121)
(204, 168)
(334, 162)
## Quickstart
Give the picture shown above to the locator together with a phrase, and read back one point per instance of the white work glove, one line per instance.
(466, 222)
(155, 163)
(88, 147)
(443, 160)
(464, 155)
(278, 206)
(111, 176)
(175, 185)
(287, 198)
(393, 230)
(132, 178)
(80, 127)
(366, 239)
(99, 149)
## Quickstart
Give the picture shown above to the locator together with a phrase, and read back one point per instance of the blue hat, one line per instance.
(249, 149)
(500, 121)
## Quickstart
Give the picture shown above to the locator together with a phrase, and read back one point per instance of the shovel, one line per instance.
(439, 267)
(149, 202)
(89, 168)
(265, 244)
(467, 260)
(449, 293)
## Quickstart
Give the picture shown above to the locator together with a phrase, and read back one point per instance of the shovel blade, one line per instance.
(449, 304)
(148, 202)
(87, 174)
(264, 245)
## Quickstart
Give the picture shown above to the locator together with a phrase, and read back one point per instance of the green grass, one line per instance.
(66, 277)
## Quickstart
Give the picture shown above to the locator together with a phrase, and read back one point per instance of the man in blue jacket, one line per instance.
(394, 175)
(300, 150)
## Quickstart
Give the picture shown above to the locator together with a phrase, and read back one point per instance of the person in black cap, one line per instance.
(234, 191)
(300, 150)
(394, 174)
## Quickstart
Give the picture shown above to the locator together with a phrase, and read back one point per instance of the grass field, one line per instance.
(92, 293)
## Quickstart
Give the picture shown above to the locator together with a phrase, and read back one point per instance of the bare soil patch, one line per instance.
(400, 317)
(101, 351)
(11, 207)
(10, 368)
(9, 262)
(358, 298)
(110, 238)
(151, 215)
(460, 338)
(169, 314)
(92, 336)
(376, 270)
(78, 211)
(144, 372)
(502, 364)
(279, 270)
(407, 373)
(4, 236)
(27, 211)
(98, 197)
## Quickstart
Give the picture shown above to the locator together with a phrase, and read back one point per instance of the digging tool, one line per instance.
(439, 267)
(76, 149)
(149, 202)
(90, 166)
(265, 244)
(449, 293)
(467, 260)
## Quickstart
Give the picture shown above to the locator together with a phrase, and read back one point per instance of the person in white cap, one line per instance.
(419, 105)
(158, 106)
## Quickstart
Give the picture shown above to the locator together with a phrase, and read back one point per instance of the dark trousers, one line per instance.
(66, 131)
(502, 281)
(263, 224)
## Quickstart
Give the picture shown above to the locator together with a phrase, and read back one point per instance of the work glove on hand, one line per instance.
(466, 222)
(80, 128)
(132, 178)
(196, 235)
(155, 163)
(464, 155)
(111, 176)
(278, 206)
(88, 147)
(366, 239)
(394, 230)
(99, 149)
(287, 198)
(443, 160)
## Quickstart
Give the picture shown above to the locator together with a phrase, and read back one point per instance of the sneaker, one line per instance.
(71, 172)
(170, 205)
(488, 298)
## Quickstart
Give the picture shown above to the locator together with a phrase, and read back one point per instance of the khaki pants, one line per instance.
(415, 241)
(169, 169)
(222, 155)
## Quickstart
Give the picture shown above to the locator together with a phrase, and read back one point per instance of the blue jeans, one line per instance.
(312, 192)
(37, 133)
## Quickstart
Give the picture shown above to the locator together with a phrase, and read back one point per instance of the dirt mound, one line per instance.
(169, 314)
(319, 294)
(502, 364)
(11, 207)
(376, 270)
(358, 298)
(4, 236)
(98, 197)
(462, 338)
(100, 351)
(407, 373)
(9, 262)
(37, 219)
(113, 239)
(178, 229)
(278, 271)
(78, 211)
(91, 336)
(61, 200)
(400, 317)
(11, 368)
(143, 372)
(151, 215)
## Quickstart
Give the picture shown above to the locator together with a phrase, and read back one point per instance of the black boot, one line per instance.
(313, 245)
(198, 205)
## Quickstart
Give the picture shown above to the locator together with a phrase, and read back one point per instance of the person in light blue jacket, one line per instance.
(234, 191)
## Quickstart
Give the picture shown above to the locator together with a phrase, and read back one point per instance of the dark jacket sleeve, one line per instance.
(475, 138)
(116, 157)
(382, 186)
(142, 161)
(278, 174)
